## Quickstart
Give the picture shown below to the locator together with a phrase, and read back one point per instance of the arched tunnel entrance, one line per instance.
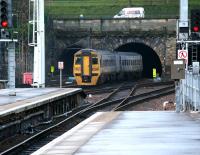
(67, 57)
(150, 58)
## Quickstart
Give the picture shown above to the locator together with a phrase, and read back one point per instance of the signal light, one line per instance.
(196, 29)
(195, 20)
(4, 24)
(4, 14)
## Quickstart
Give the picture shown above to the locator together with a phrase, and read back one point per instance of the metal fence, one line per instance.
(189, 94)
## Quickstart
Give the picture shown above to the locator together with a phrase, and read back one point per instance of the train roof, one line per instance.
(129, 53)
(95, 50)
(108, 52)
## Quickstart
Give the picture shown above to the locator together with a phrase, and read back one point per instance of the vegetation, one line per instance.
(108, 8)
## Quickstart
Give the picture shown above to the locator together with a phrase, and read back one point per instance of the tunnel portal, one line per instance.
(67, 56)
(150, 57)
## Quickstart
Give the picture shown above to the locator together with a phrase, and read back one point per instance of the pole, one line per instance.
(11, 68)
(60, 78)
(183, 13)
(183, 35)
(38, 43)
(178, 104)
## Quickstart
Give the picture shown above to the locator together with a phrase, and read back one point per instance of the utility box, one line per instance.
(27, 78)
(178, 69)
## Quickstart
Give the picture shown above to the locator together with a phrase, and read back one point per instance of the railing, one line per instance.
(190, 91)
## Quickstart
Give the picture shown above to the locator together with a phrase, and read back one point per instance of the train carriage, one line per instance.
(97, 66)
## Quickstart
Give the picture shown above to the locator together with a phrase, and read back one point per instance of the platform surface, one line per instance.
(30, 97)
(130, 133)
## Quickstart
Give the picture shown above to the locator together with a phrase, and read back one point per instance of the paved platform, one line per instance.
(130, 133)
(27, 98)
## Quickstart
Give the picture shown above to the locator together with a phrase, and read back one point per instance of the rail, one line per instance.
(37, 140)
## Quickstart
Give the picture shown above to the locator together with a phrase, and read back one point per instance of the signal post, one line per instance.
(6, 26)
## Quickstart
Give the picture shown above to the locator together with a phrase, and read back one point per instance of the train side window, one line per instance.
(78, 60)
(94, 61)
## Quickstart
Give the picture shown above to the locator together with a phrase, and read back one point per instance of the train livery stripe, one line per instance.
(86, 65)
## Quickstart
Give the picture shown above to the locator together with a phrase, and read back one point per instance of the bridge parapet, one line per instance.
(115, 24)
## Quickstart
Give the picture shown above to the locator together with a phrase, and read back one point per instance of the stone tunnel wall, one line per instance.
(160, 35)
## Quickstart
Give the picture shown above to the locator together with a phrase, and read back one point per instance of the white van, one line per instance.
(135, 12)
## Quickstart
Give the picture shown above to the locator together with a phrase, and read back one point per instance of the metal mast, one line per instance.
(36, 7)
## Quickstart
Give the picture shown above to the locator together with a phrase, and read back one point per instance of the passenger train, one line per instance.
(92, 67)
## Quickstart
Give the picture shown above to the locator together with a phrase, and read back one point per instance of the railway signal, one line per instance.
(195, 20)
(195, 24)
(6, 13)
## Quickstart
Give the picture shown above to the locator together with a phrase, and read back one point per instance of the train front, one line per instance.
(86, 68)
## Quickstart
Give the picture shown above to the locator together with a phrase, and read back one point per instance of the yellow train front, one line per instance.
(86, 68)
(92, 67)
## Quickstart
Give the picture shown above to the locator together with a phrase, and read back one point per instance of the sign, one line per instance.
(154, 72)
(60, 65)
(183, 36)
(178, 62)
(52, 69)
(183, 54)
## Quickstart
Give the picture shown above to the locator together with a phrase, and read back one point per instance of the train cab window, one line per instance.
(78, 60)
(94, 61)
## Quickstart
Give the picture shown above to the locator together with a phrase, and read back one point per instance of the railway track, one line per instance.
(43, 137)
(131, 100)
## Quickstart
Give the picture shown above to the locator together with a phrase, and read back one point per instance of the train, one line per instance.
(92, 67)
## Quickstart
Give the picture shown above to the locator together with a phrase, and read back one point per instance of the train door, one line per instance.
(86, 68)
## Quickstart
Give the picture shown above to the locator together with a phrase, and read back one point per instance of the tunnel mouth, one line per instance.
(67, 56)
(149, 57)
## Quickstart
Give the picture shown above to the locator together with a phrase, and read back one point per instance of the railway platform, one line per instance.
(138, 133)
(27, 98)
(32, 106)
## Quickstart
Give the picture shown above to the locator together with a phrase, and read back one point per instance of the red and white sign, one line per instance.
(183, 54)
(60, 65)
